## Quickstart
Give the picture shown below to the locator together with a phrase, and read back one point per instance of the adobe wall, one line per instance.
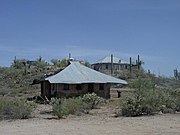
(57, 90)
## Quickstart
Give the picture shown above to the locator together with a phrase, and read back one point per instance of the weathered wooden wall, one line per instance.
(46, 89)
(57, 90)
(106, 67)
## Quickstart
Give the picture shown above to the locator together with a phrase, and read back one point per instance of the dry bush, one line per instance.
(147, 99)
(64, 107)
(15, 108)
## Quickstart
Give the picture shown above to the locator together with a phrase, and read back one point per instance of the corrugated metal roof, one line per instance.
(77, 73)
(108, 60)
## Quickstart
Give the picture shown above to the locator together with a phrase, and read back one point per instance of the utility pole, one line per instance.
(176, 73)
(130, 65)
(138, 63)
(111, 64)
(25, 70)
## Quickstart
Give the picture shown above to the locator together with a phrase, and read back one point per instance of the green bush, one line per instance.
(178, 100)
(131, 107)
(74, 105)
(175, 95)
(166, 100)
(92, 100)
(3, 92)
(136, 73)
(58, 108)
(15, 109)
(64, 107)
(147, 100)
(137, 105)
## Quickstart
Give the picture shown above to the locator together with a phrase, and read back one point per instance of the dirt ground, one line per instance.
(98, 122)
(94, 125)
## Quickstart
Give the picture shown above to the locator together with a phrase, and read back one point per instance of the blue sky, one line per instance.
(91, 30)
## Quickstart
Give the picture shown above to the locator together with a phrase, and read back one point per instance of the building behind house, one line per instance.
(177, 74)
(109, 63)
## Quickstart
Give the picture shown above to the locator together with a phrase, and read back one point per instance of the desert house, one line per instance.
(109, 64)
(77, 79)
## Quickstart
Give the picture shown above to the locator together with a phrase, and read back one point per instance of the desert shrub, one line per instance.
(175, 95)
(15, 109)
(19, 63)
(3, 92)
(92, 100)
(58, 108)
(146, 99)
(166, 100)
(63, 107)
(74, 105)
(131, 107)
(136, 105)
(135, 74)
(178, 100)
(78, 105)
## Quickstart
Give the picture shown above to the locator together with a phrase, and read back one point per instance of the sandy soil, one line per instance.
(98, 122)
(94, 125)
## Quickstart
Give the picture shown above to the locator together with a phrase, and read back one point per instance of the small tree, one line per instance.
(18, 63)
(54, 61)
(63, 63)
(40, 63)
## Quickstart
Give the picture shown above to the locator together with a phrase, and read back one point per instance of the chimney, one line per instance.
(69, 55)
(111, 64)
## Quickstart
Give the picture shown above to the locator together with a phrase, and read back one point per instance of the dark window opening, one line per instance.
(53, 86)
(106, 66)
(78, 87)
(116, 67)
(66, 86)
(101, 86)
(90, 87)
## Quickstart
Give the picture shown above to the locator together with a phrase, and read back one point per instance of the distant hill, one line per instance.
(17, 80)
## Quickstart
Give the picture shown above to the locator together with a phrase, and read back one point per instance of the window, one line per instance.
(53, 86)
(53, 89)
(66, 86)
(101, 86)
(78, 87)
(116, 67)
(106, 66)
(121, 67)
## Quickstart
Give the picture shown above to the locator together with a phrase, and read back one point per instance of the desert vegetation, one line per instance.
(147, 99)
(78, 105)
(15, 108)
(151, 94)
